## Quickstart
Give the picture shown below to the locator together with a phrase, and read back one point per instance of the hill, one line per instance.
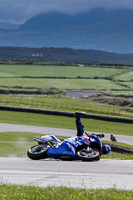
(99, 29)
(56, 20)
(64, 55)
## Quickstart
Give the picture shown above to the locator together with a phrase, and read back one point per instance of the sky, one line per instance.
(18, 11)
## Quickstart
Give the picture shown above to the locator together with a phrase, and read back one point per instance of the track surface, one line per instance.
(56, 131)
(101, 174)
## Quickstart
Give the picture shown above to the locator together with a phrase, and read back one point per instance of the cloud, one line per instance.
(19, 11)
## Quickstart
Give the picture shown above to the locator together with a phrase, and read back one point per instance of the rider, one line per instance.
(79, 125)
(80, 130)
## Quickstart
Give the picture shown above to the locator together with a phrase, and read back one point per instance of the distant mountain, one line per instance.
(98, 29)
(55, 20)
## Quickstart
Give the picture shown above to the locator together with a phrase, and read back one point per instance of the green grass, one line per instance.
(124, 92)
(16, 192)
(79, 84)
(38, 71)
(119, 156)
(17, 137)
(15, 144)
(119, 144)
(65, 122)
(126, 76)
(14, 150)
(129, 84)
(44, 70)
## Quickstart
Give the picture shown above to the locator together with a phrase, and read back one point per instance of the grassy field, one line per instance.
(124, 92)
(126, 76)
(56, 71)
(76, 73)
(61, 84)
(129, 84)
(16, 192)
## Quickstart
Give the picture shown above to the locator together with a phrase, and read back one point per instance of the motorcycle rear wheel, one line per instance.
(88, 155)
(37, 152)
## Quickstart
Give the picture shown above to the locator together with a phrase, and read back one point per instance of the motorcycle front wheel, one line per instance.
(37, 152)
(88, 155)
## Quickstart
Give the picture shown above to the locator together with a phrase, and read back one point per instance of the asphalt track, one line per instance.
(102, 174)
(56, 131)
(77, 174)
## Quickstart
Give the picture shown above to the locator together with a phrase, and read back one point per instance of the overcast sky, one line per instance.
(18, 11)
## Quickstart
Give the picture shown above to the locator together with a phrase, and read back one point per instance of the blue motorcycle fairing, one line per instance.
(95, 140)
(94, 137)
(64, 148)
(67, 147)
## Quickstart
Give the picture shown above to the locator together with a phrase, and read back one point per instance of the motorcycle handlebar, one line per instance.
(98, 135)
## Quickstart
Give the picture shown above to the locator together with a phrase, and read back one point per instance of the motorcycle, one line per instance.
(84, 148)
(113, 138)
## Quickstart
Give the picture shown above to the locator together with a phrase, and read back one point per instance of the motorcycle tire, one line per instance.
(91, 155)
(37, 152)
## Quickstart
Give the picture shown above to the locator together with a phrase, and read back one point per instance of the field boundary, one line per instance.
(68, 114)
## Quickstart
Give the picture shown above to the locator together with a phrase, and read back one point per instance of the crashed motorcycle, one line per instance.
(84, 148)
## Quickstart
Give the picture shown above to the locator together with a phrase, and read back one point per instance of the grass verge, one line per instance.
(65, 122)
(119, 156)
(16, 192)
(16, 144)
(119, 144)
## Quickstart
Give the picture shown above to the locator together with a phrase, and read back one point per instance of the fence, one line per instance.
(44, 103)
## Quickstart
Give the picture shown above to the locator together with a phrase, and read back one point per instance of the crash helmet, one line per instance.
(106, 149)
